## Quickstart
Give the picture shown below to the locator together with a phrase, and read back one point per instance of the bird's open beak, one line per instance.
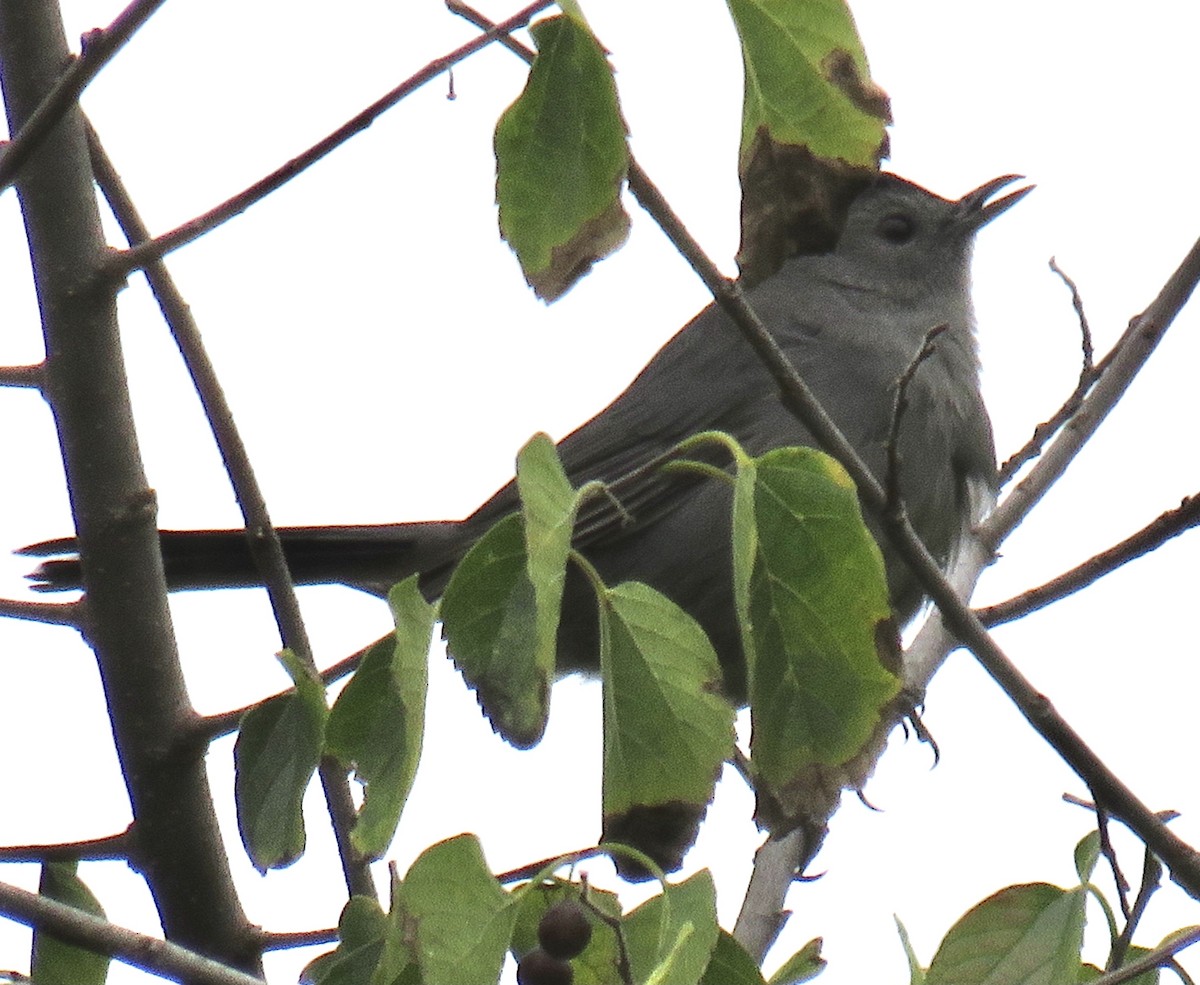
(976, 205)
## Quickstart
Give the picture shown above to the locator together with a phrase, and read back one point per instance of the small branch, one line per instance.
(30, 376)
(1085, 330)
(892, 480)
(154, 249)
(1116, 373)
(1158, 958)
(282, 940)
(96, 934)
(1149, 538)
(99, 47)
(1087, 376)
(111, 847)
(213, 726)
(53, 613)
(1151, 882)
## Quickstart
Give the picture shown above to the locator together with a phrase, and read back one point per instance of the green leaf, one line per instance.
(1087, 854)
(501, 608)
(807, 80)
(803, 966)
(1023, 935)
(276, 753)
(54, 960)
(489, 617)
(667, 728)
(916, 974)
(548, 505)
(561, 158)
(731, 964)
(671, 937)
(818, 614)
(378, 721)
(362, 929)
(461, 919)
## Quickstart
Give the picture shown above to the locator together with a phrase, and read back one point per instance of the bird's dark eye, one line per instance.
(896, 228)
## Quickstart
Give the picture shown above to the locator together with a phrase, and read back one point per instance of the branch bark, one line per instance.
(178, 843)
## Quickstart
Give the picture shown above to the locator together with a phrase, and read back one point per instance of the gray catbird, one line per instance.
(850, 320)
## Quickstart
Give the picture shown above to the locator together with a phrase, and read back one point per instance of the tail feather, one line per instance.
(372, 558)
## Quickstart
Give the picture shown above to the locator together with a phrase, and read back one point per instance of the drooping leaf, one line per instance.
(378, 722)
(500, 610)
(489, 618)
(364, 933)
(55, 960)
(813, 127)
(1023, 935)
(561, 158)
(672, 936)
(820, 648)
(276, 753)
(548, 504)
(461, 920)
(807, 80)
(667, 727)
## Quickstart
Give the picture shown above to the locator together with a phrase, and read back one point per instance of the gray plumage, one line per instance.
(850, 321)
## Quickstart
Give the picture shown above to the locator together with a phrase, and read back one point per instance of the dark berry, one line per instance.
(538, 968)
(564, 930)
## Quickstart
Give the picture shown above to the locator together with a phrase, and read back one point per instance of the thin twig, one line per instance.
(153, 249)
(264, 543)
(53, 613)
(282, 940)
(1151, 882)
(1088, 374)
(1149, 538)
(1085, 330)
(1158, 958)
(892, 480)
(30, 376)
(73, 926)
(119, 846)
(99, 46)
(214, 726)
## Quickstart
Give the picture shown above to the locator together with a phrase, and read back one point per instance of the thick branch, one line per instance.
(129, 625)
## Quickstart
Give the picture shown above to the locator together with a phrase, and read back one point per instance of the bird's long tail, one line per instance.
(371, 558)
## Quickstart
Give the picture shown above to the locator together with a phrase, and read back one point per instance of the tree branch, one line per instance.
(1152, 536)
(96, 934)
(153, 249)
(129, 624)
(52, 613)
(111, 847)
(30, 376)
(98, 49)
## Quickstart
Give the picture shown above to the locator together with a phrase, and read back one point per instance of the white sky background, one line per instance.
(385, 361)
